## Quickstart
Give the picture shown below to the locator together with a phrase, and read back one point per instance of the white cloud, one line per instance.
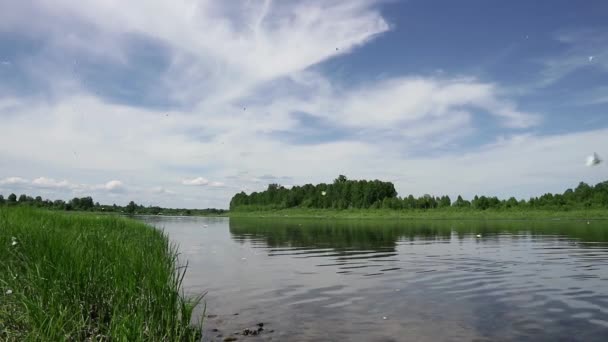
(196, 181)
(405, 100)
(49, 183)
(161, 191)
(13, 181)
(114, 186)
(200, 181)
(208, 40)
(62, 186)
(411, 108)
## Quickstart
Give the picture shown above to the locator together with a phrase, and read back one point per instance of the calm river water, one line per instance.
(322, 280)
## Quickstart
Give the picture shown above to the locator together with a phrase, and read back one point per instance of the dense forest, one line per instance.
(87, 204)
(361, 194)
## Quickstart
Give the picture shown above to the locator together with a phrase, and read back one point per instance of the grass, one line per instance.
(445, 214)
(84, 277)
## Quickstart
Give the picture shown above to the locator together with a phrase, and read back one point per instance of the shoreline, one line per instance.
(434, 214)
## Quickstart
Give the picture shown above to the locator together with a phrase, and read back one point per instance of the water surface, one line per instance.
(321, 280)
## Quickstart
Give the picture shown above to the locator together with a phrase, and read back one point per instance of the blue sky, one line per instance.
(183, 103)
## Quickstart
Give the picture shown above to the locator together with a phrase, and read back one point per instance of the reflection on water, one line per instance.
(398, 281)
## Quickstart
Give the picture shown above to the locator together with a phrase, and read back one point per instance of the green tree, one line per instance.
(340, 179)
(86, 203)
(511, 203)
(130, 208)
(461, 203)
(75, 203)
(59, 204)
(445, 202)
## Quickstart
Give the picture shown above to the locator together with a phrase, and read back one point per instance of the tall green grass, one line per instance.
(77, 277)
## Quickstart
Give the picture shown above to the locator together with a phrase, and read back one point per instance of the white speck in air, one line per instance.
(593, 160)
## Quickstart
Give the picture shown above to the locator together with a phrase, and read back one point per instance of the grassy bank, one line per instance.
(448, 213)
(84, 277)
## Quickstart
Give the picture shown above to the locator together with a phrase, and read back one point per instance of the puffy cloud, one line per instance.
(49, 183)
(114, 186)
(216, 184)
(195, 181)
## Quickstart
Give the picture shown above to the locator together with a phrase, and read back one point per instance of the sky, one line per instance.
(184, 103)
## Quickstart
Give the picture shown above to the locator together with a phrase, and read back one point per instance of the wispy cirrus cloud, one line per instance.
(584, 49)
(206, 39)
(410, 109)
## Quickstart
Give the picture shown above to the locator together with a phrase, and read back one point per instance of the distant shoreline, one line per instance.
(434, 214)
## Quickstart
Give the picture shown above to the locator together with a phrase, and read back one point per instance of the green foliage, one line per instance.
(345, 194)
(341, 194)
(81, 277)
(130, 208)
(87, 204)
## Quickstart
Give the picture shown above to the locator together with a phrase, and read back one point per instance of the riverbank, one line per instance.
(432, 214)
(84, 277)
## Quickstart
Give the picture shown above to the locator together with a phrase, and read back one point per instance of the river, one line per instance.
(349, 280)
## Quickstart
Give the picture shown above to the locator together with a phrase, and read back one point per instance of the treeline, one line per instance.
(87, 204)
(342, 194)
(362, 194)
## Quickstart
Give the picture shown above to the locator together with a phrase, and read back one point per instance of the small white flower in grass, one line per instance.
(14, 241)
(9, 292)
(323, 193)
